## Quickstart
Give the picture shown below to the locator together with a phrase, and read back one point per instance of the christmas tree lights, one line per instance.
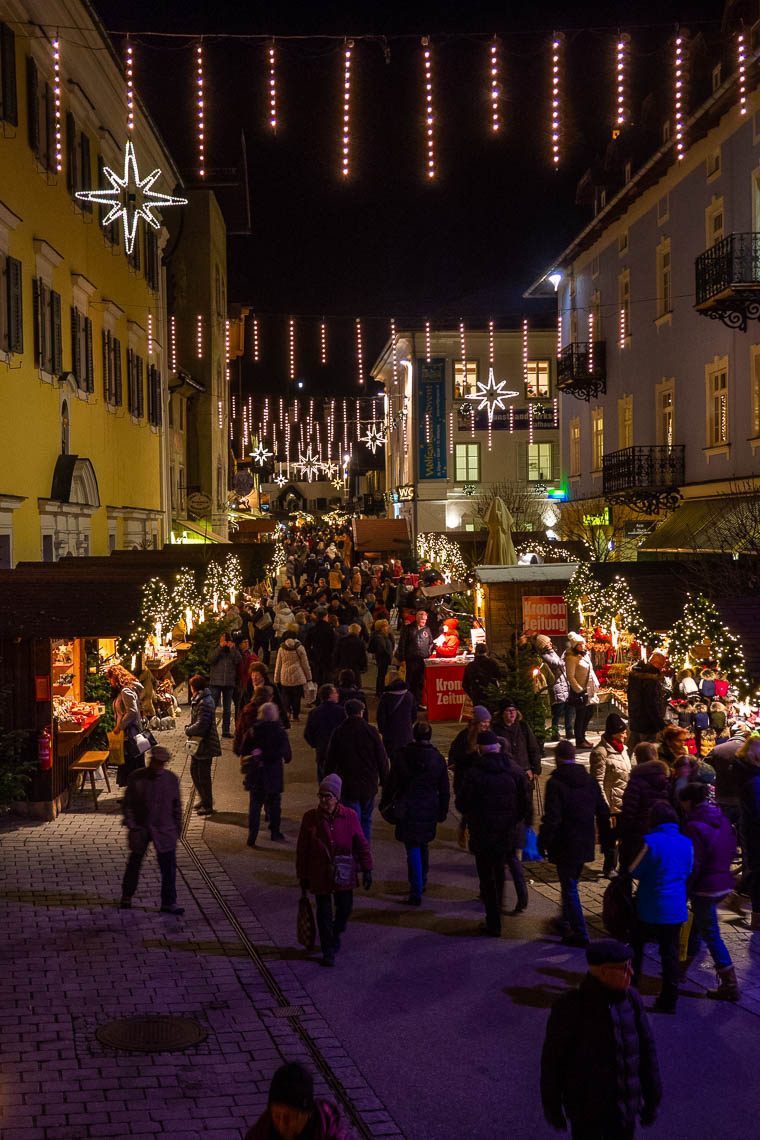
(584, 593)
(444, 554)
(700, 624)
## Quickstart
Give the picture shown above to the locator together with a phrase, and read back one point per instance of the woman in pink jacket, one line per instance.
(331, 847)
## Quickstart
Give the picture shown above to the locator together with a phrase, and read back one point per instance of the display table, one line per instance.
(444, 696)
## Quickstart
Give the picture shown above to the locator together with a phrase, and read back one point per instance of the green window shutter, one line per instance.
(32, 106)
(139, 388)
(57, 333)
(106, 341)
(8, 93)
(89, 370)
(76, 347)
(117, 385)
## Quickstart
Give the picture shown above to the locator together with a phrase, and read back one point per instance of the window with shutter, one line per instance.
(139, 389)
(117, 388)
(76, 346)
(85, 169)
(43, 326)
(3, 303)
(111, 233)
(133, 258)
(107, 368)
(89, 369)
(48, 111)
(72, 158)
(154, 396)
(56, 346)
(8, 96)
(33, 105)
(130, 386)
(15, 306)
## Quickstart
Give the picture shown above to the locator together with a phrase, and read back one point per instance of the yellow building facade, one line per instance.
(83, 326)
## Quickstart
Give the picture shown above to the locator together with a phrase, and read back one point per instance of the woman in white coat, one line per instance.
(611, 768)
(584, 686)
(291, 671)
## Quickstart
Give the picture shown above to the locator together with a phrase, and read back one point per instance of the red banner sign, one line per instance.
(443, 690)
(544, 613)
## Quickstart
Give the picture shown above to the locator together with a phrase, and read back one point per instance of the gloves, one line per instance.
(648, 1116)
(557, 1120)
(367, 880)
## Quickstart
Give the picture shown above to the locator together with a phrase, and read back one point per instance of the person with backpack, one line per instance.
(357, 755)
(416, 799)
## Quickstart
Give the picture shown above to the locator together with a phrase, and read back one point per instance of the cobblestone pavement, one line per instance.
(405, 1058)
(73, 961)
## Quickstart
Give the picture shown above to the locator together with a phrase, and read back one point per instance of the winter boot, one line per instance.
(755, 920)
(684, 967)
(727, 989)
(609, 870)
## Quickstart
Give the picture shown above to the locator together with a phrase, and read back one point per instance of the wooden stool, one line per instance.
(92, 762)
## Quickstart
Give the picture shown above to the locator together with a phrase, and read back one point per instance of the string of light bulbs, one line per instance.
(678, 98)
(346, 138)
(621, 61)
(495, 87)
(292, 348)
(129, 73)
(359, 352)
(428, 349)
(272, 88)
(741, 69)
(427, 58)
(323, 342)
(556, 118)
(255, 339)
(57, 104)
(201, 109)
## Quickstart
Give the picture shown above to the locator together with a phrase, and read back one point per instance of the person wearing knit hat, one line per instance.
(331, 847)
(153, 813)
(599, 1067)
(479, 675)
(610, 765)
(293, 1111)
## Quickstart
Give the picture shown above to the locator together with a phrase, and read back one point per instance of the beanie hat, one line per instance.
(480, 712)
(332, 784)
(613, 724)
(575, 638)
(163, 755)
(603, 950)
(543, 642)
(292, 1085)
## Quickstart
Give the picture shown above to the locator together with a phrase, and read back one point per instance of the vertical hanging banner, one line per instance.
(431, 417)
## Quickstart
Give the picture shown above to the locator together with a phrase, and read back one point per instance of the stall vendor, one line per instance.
(447, 645)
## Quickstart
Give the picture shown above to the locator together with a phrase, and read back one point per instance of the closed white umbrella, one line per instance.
(500, 550)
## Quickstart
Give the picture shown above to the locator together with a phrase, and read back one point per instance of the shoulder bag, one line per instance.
(342, 872)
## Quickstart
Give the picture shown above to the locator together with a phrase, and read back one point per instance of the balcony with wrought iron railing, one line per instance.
(582, 369)
(645, 477)
(727, 280)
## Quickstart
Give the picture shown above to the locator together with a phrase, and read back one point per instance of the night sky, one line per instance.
(390, 243)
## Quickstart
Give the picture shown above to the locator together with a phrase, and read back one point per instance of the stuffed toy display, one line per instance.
(447, 645)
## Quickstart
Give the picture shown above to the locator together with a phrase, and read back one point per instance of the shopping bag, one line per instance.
(402, 670)
(683, 937)
(116, 748)
(306, 927)
(618, 908)
(530, 850)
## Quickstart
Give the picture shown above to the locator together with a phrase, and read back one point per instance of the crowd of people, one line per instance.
(667, 823)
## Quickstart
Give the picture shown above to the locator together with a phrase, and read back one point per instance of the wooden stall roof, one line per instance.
(99, 596)
(387, 535)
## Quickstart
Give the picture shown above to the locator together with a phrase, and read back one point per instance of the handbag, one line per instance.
(310, 691)
(263, 621)
(618, 908)
(116, 748)
(342, 872)
(306, 927)
(395, 810)
(143, 741)
(137, 840)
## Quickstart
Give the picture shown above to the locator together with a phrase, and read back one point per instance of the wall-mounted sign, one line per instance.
(637, 528)
(431, 418)
(545, 613)
(406, 493)
(604, 518)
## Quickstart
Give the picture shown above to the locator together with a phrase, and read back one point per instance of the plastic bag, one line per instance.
(116, 748)
(530, 850)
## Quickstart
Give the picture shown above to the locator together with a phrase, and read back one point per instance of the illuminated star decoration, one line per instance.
(374, 438)
(280, 480)
(492, 395)
(330, 469)
(130, 197)
(260, 454)
(308, 464)
(338, 484)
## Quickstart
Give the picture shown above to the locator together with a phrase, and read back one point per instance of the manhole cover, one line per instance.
(152, 1033)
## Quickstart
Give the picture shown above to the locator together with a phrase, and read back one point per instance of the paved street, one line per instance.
(423, 1029)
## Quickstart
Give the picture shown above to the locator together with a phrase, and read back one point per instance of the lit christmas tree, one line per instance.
(700, 624)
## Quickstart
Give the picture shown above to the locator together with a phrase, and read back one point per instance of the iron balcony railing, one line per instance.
(576, 364)
(730, 266)
(653, 467)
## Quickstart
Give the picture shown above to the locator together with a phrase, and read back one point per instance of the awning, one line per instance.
(386, 535)
(707, 526)
(198, 529)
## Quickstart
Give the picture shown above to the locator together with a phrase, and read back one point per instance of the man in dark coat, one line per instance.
(647, 785)
(647, 700)
(351, 653)
(479, 674)
(418, 786)
(414, 647)
(573, 804)
(321, 723)
(263, 630)
(599, 1064)
(357, 755)
(320, 648)
(492, 800)
(523, 746)
(396, 713)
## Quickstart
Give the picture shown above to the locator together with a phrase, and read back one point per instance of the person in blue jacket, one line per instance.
(662, 867)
